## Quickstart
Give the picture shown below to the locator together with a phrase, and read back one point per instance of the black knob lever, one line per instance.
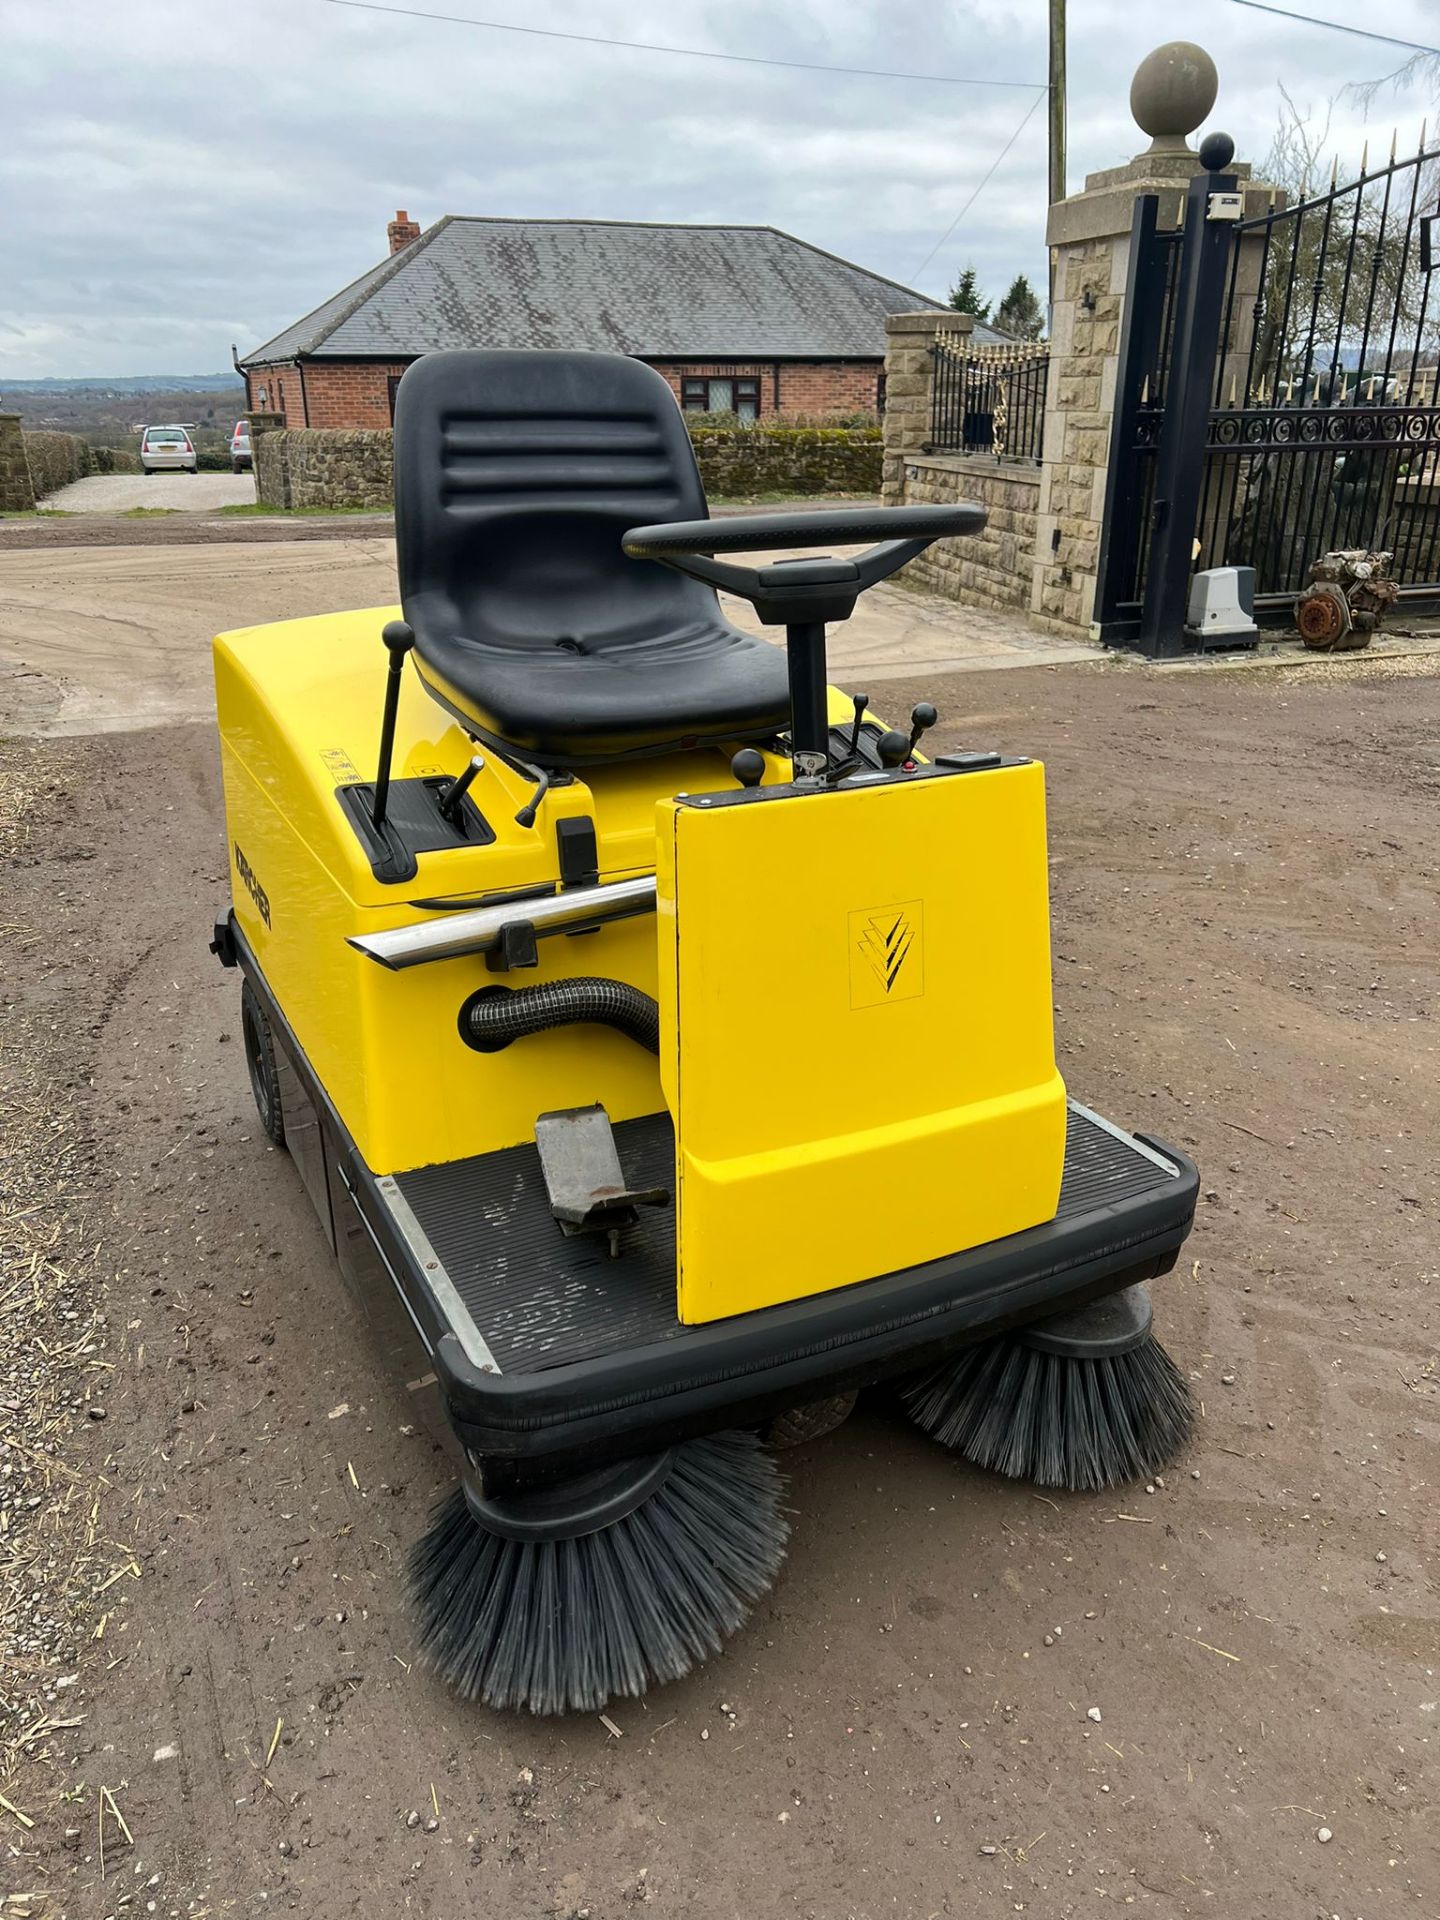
(922, 718)
(893, 748)
(861, 702)
(748, 767)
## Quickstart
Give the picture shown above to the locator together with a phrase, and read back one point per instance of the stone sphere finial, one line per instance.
(1173, 90)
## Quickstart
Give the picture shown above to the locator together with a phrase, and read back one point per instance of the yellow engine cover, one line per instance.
(856, 1033)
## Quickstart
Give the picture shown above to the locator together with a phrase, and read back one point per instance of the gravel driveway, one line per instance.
(118, 492)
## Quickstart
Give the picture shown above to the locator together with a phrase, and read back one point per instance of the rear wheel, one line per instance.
(260, 1060)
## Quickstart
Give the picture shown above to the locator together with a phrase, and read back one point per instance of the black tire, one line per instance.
(260, 1060)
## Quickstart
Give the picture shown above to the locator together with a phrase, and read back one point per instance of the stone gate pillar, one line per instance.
(1089, 235)
(909, 369)
(267, 457)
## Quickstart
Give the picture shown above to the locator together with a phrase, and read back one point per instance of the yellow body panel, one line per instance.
(299, 709)
(857, 1035)
(854, 987)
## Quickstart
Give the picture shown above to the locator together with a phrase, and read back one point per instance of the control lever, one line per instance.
(748, 766)
(893, 748)
(455, 793)
(862, 701)
(541, 776)
(922, 718)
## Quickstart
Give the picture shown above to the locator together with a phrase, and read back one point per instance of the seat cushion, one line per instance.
(517, 477)
(570, 703)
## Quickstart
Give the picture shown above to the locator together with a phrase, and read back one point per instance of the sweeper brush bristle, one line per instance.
(567, 1624)
(1054, 1420)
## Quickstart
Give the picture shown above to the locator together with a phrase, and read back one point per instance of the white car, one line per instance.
(167, 449)
(240, 459)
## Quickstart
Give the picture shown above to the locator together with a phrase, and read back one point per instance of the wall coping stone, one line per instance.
(1106, 207)
(980, 464)
(932, 320)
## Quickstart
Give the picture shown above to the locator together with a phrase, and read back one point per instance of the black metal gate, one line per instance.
(1145, 352)
(1322, 423)
(1324, 429)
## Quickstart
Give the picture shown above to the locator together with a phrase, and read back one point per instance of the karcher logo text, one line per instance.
(252, 886)
(886, 957)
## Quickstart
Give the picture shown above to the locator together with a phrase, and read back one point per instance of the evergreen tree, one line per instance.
(965, 296)
(1020, 314)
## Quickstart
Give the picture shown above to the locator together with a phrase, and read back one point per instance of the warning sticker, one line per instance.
(342, 768)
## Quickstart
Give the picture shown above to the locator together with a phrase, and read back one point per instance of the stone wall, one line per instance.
(740, 462)
(338, 469)
(318, 467)
(989, 569)
(55, 460)
(17, 495)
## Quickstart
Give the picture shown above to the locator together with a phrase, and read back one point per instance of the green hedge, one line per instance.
(55, 459)
(115, 460)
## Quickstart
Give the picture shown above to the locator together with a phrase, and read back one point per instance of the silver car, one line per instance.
(167, 449)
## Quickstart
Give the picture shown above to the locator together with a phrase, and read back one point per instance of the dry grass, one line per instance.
(57, 1563)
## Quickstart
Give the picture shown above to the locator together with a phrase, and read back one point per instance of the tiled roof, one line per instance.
(653, 291)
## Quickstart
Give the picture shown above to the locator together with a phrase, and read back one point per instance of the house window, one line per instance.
(737, 396)
(392, 381)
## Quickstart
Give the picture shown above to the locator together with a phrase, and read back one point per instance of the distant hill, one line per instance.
(110, 413)
(129, 383)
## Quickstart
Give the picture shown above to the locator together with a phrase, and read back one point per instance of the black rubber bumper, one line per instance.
(740, 1372)
(535, 1425)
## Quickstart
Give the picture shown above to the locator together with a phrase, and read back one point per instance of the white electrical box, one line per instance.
(1221, 610)
(1225, 206)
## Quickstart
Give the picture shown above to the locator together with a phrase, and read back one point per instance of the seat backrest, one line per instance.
(516, 474)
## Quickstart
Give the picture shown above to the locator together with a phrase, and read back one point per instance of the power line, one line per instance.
(1337, 26)
(687, 53)
(994, 168)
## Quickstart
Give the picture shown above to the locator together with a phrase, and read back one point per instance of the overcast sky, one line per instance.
(181, 174)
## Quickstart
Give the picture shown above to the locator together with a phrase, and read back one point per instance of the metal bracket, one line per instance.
(583, 1176)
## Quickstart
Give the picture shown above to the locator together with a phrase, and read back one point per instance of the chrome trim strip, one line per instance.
(436, 1278)
(451, 934)
(1119, 1133)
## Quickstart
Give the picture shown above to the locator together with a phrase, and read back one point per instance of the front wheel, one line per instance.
(260, 1060)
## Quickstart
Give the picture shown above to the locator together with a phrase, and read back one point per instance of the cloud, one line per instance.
(181, 174)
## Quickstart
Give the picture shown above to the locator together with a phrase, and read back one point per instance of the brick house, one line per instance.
(745, 319)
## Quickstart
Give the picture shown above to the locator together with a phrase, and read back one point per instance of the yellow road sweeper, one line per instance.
(664, 1042)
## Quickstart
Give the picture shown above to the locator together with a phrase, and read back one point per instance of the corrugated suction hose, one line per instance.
(495, 1016)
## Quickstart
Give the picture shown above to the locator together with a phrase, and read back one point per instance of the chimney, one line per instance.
(402, 230)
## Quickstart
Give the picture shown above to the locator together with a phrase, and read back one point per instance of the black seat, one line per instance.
(516, 474)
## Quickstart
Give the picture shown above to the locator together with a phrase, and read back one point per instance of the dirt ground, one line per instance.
(1247, 959)
(94, 638)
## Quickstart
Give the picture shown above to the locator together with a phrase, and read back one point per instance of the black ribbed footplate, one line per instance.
(541, 1298)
